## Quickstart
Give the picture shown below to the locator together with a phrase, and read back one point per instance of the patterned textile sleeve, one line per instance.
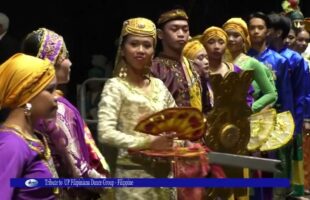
(69, 144)
(170, 100)
(96, 158)
(108, 111)
(162, 72)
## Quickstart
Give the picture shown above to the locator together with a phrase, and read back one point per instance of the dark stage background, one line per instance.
(93, 26)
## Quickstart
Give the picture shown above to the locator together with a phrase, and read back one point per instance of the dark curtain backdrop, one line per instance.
(93, 26)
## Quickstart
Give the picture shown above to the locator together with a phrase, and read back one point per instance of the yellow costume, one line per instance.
(179, 75)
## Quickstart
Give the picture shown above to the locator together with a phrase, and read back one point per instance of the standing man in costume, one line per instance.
(302, 36)
(177, 73)
(258, 31)
(280, 26)
(258, 24)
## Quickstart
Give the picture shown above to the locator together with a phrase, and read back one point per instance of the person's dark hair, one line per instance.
(280, 22)
(124, 39)
(31, 44)
(259, 15)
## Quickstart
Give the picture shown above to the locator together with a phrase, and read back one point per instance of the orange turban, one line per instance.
(239, 25)
(213, 32)
(22, 77)
(192, 48)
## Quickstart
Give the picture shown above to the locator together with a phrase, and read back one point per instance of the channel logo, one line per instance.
(31, 183)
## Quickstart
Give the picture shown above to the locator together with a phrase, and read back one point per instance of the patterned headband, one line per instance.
(51, 45)
(171, 15)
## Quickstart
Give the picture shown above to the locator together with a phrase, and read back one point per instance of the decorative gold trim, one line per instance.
(172, 14)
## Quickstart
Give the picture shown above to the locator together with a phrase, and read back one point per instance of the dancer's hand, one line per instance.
(162, 142)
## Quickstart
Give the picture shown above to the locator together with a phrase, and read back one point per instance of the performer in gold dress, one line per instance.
(126, 99)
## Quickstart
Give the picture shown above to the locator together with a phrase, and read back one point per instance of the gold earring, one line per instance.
(27, 109)
(123, 72)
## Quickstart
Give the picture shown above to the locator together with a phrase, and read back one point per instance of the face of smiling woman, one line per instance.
(137, 52)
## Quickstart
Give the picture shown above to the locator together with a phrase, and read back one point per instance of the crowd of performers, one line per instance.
(44, 135)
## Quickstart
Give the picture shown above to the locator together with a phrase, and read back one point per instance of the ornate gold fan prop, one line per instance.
(190, 124)
(261, 124)
(187, 123)
(270, 131)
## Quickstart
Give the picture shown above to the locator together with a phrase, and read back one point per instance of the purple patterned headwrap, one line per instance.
(52, 45)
